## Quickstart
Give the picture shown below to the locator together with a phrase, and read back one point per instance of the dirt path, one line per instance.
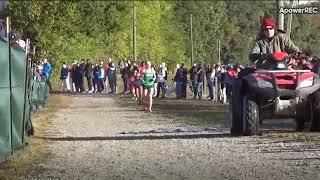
(101, 137)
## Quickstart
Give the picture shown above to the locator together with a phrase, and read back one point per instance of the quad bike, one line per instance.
(278, 92)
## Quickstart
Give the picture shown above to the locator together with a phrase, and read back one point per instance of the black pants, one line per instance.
(49, 83)
(100, 85)
(113, 84)
(184, 89)
(195, 88)
(79, 84)
(210, 86)
(126, 84)
(89, 80)
(82, 84)
(161, 85)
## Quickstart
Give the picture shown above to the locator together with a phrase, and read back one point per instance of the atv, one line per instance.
(278, 91)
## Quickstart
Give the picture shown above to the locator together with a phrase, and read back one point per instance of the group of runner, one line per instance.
(142, 83)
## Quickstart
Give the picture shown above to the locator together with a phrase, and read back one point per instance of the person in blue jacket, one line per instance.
(47, 72)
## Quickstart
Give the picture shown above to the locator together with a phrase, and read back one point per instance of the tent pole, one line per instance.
(25, 92)
(10, 85)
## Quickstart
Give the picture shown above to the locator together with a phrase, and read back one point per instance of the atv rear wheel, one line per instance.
(250, 115)
(315, 111)
(235, 109)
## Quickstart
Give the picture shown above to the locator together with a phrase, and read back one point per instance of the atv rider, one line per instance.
(270, 40)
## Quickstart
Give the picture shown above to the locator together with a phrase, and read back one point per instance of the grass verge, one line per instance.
(24, 162)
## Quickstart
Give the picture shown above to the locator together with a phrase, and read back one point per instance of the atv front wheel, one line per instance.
(235, 109)
(301, 116)
(250, 115)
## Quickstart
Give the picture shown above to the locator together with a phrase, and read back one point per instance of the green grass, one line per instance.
(24, 162)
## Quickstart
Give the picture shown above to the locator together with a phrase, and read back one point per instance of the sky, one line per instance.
(307, 1)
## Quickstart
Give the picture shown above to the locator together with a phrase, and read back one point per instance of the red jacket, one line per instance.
(233, 73)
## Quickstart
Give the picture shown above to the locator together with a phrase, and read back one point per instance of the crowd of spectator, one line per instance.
(143, 80)
(218, 77)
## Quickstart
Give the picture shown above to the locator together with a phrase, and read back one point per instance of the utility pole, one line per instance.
(219, 52)
(191, 38)
(134, 33)
(290, 19)
(280, 15)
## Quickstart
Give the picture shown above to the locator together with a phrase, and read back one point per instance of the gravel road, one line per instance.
(99, 138)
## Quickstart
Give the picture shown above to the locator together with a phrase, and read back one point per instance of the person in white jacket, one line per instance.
(161, 79)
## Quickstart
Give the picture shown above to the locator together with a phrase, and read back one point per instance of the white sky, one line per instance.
(307, 1)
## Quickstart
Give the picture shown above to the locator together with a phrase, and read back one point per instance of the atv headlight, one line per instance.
(281, 66)
(307, 82)
(264, 84)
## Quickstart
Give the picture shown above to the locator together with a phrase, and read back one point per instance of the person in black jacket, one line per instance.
(194, 79)
(181, 82)
(89, 73)
(78, 75)
(82, 69)
(200, 74)
(125, 77)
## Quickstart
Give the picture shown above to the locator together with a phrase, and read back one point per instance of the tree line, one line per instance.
(65, 31)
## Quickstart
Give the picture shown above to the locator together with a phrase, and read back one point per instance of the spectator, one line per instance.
(181, 82)
(95, 79)
(112, 78)
(72, 88)
(38, 74)
(89, 74)
(47, 72)
(220, 78)
(194, 79)
(155, 84)
(125, 78)
(232, 75)
(73, 77)
(101, 76)
(200, 75)
(106, 78)
(224, 85)
(210, 74)
(78, 78)
(82, 67)
(64, 76)
(162, 76)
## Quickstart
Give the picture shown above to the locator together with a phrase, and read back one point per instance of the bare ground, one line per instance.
(100, 137)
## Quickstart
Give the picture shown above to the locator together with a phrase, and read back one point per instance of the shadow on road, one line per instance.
(143, 136)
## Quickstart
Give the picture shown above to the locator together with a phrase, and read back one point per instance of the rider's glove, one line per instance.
(262, 56)
(257, 57)
(299, 54)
